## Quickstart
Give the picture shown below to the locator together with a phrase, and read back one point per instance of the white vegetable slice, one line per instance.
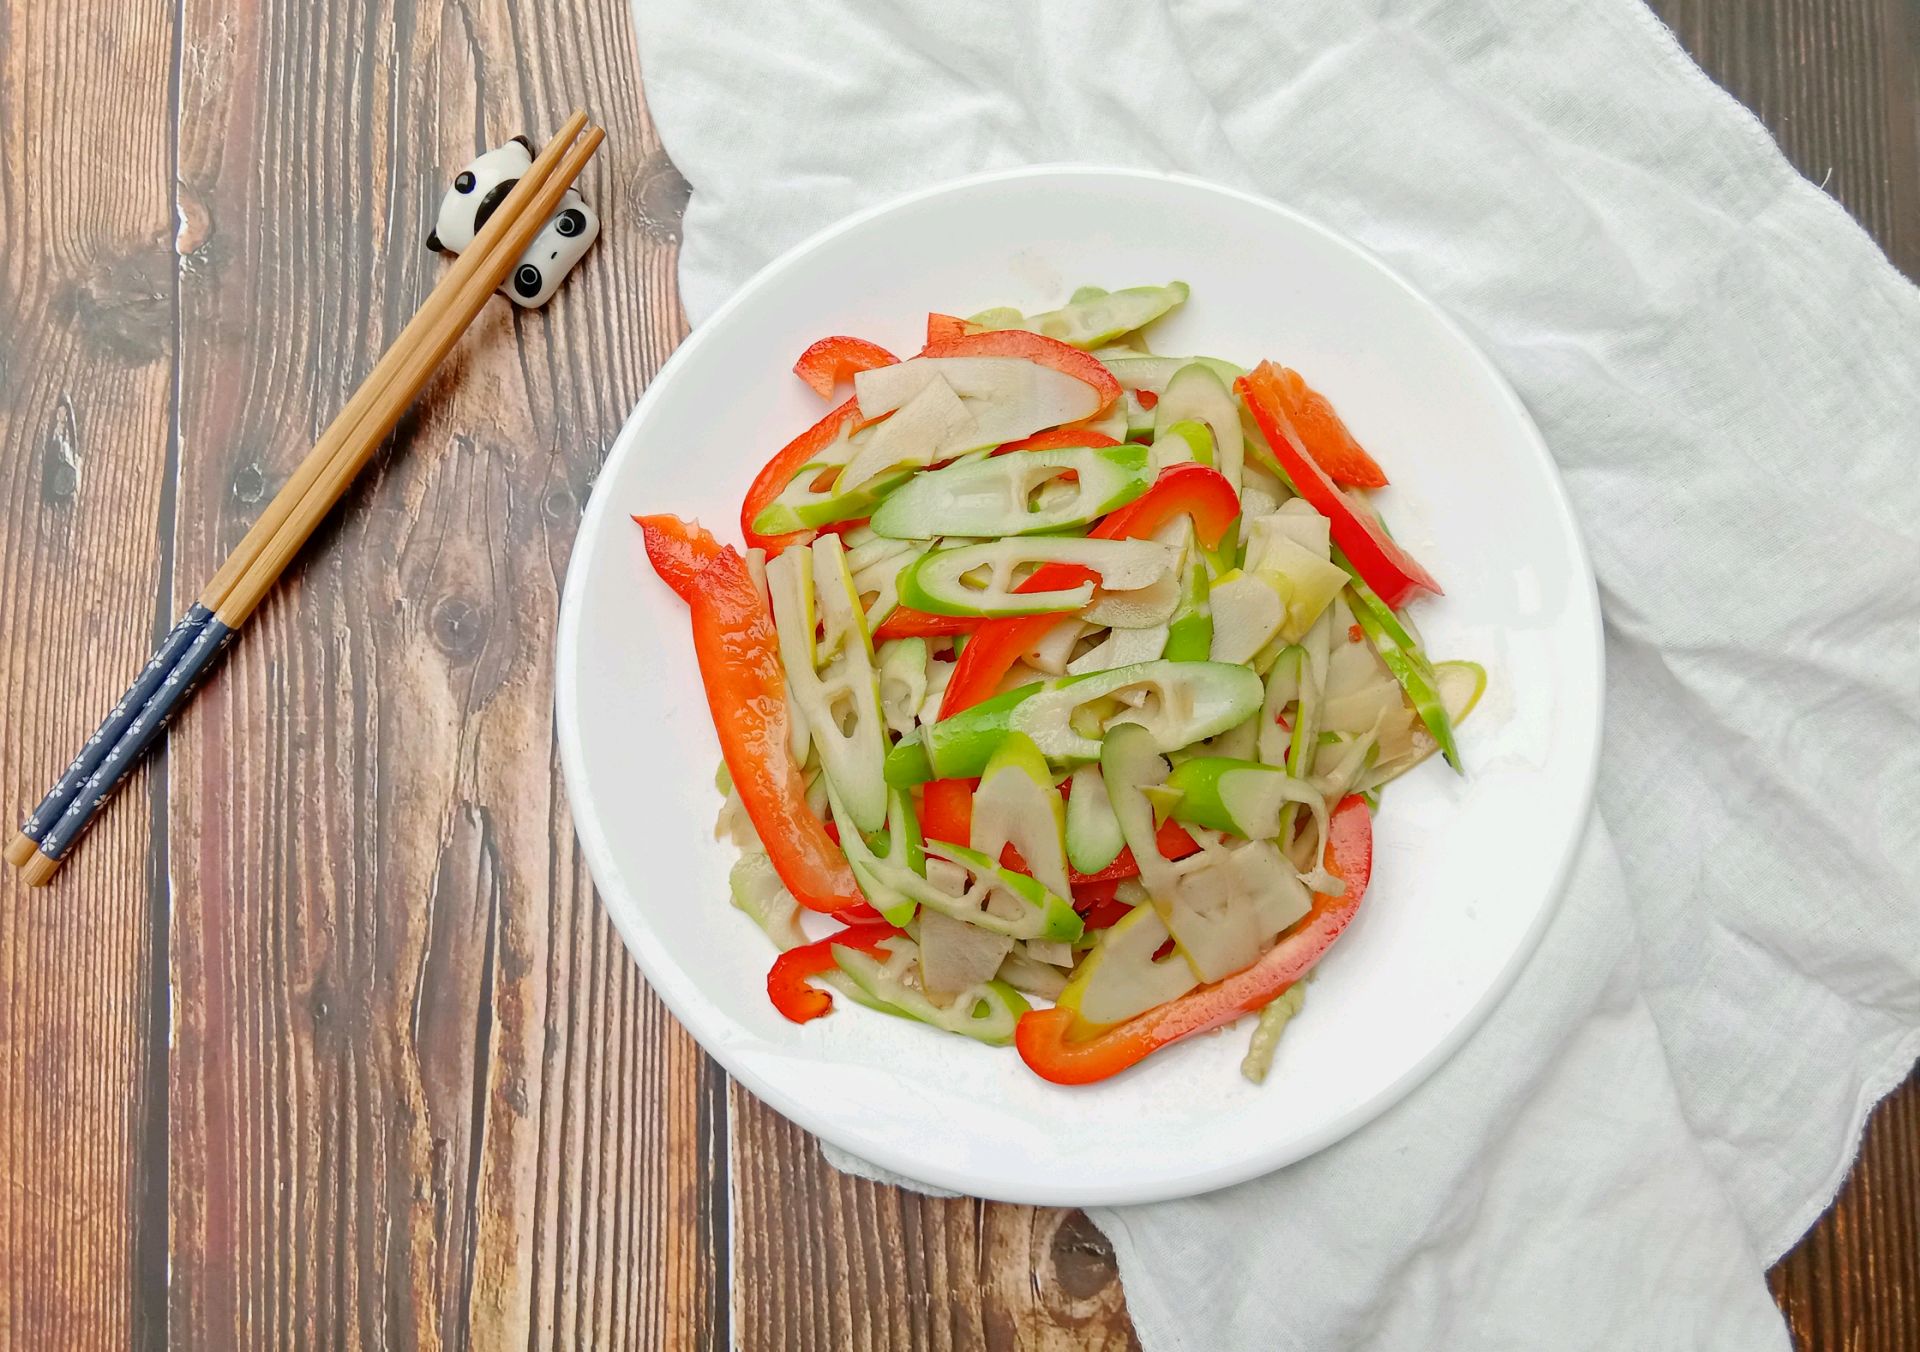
(1050, 653)
(1460, 685)
(980, 579)
(1016, 804)
(1360, 711)
(1137, 607)
(758, 891)
(1306, 584)
(1176, 702)
(1026, 973)
(1098, 317)
(874, 550)
(1283, 688)
(1247, 614)
(879, 584)
(939, 672)
(1121, 648)
(1121, 977)
(1147, 371)
(1296, 520)
(955, 956)
(1227, 905)
(915, 435)
(832, 678)
(903, 682)
(1019, 493)
(756, 558)
(1008, 397)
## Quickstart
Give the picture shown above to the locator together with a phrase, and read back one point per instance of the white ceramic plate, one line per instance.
(1466, 870)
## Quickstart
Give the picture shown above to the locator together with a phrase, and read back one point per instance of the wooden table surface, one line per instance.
(323, 1040)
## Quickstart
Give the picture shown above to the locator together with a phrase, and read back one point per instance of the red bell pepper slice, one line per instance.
(906, 622)
(832, 360)
(1185, 489)
(946, 810)
(733, 638)
(1324, 435)
(1387, 568)
(1032, 346)
(1091, 894)
(1099, 905)
(942, 327)
(678, 550)
(777, 473)
(1055, 437)
(1041, 1036)
(787, 985)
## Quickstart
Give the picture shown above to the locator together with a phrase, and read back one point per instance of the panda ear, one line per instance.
(523, 141)
(433, 242)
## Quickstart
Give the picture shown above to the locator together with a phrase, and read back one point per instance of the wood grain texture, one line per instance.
(825, 1261)
(419, 1096)
(86, 348)
(324, 1041)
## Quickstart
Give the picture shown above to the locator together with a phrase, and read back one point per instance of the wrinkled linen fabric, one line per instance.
(1728, 373)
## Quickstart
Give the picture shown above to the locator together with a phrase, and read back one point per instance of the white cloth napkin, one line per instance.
(1728, 372)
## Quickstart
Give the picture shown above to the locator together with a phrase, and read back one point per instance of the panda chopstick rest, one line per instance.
(484, 185)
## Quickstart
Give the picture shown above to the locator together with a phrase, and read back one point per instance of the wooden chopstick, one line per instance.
(322, 478)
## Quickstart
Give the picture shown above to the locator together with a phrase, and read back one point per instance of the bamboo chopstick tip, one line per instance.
(20, 849)
(39, 870)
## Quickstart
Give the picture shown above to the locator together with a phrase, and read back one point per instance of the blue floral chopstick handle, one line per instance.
(98, 746)
(168, 694)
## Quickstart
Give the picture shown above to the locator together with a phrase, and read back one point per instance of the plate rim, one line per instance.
(665, 977)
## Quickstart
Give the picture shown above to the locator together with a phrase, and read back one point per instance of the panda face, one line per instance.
(477, 192)
(553, 253)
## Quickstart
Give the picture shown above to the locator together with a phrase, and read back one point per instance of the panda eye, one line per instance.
(526, 280)
(570, 223)
(464, 183)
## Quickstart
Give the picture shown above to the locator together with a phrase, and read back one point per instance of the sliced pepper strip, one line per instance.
(734, 639)
(1185, 489)
(1386, 567)
(1042, 1035)
(1099, 904)
(1032, 346)
(777, 473)
(1057, 438)
(787, 985)
(941, 328)
(946, 810)
(678, 550)
(832, 360)
(1325, 435)
(906, 622)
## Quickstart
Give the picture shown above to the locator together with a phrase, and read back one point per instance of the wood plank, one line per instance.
(419, 1095)
(85, 392)
(825, 1262)
(1854, 1281)
(1837, 82)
